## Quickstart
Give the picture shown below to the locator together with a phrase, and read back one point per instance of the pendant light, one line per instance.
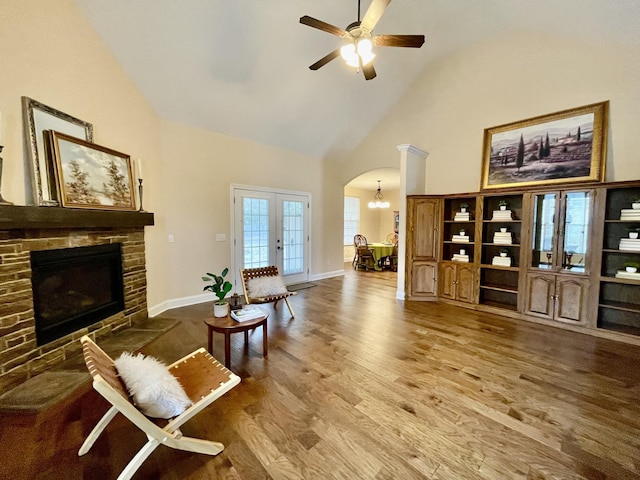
(378, 199)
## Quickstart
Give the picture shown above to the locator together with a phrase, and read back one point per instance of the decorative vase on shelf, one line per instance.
(462, 251)
(635, 205)
(503, 229)
(631, 269)
(503, 254)
(633, 235)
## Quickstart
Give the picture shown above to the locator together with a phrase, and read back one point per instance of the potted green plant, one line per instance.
(220, 287)
(463, 207)
(503, 204)
(631, 267)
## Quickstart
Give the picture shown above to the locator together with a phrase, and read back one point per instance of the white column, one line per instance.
(413, 170)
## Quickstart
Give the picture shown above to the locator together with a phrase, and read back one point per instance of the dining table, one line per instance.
(380, 250)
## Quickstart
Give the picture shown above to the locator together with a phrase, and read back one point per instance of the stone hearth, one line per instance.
(26, 229)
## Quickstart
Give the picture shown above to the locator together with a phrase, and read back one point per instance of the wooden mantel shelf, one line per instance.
(18, 217)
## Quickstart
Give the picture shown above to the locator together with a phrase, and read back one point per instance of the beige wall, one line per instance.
(502, 80)
(199, 168)
(53, 55)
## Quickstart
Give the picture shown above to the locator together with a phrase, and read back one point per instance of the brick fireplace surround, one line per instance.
(24, 229)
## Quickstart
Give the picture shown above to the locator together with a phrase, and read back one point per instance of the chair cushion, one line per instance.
(154, 390)
(261, 287)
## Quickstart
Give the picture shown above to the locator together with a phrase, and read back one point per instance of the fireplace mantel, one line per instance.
(15, 217)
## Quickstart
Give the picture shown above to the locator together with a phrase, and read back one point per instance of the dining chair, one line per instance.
(363, 256)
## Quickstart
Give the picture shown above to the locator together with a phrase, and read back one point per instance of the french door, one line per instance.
(271, 228)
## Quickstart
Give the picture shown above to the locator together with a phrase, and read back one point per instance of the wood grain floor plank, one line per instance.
(363, 386)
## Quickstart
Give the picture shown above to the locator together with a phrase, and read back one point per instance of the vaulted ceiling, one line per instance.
(240, 67)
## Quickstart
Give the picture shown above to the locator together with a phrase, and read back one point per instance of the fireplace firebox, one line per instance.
(74, 288)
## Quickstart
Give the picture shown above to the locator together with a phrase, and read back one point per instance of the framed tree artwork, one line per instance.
(562, 147)
(91, 176)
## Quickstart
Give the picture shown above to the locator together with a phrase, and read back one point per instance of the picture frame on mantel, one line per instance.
(90, 175)
(38, 118)
(563, 147)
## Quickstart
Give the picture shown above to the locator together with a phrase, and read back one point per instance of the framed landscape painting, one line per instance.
(91, 176)
(562, 147)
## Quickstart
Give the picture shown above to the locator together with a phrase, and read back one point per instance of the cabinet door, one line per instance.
(540, 295)
(425, 229)
(572, 294)
(464, 283)
(447, 280)
(423, 280)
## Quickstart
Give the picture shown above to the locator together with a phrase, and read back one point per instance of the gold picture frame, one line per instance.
(563, 147)
(91, 176)
(39, 118)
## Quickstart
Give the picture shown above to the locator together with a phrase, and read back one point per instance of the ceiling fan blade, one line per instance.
(369, 71)
(320, 25)
(375, 11)
(326, 59)
(413, 41)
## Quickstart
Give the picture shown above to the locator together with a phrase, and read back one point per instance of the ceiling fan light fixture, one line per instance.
(365, 50)
(378, 199)
(349, 55)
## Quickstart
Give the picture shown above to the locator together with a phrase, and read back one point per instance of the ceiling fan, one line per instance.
(357, 52)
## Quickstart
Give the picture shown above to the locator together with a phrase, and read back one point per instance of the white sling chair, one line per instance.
(204, 380)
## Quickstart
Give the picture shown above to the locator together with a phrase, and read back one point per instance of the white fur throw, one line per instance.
(266, 286)
(155, 391)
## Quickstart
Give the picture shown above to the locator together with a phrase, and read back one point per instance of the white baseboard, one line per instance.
(207, 297)
(180, 302)
(322, 276)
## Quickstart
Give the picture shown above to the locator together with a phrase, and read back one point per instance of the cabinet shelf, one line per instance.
(499, 288)
(500, 267)
(628, 307)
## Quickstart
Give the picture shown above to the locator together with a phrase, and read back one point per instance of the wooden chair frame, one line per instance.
(203, 379)
(271, 271)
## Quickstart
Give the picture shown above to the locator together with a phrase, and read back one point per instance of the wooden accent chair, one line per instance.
(363, 254)
(204, 380)
(270, 271)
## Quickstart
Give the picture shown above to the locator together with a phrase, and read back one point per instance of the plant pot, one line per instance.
(631, 269)
(503, 230)
(635, 205)
(462, 251)
(633, 234)
(464, 209)
(220, 310)
(503, 207)
(503, 254)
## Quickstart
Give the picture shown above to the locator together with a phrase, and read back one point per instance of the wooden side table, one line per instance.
(227, 326)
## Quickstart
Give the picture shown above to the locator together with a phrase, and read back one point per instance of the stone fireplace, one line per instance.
(33, 230)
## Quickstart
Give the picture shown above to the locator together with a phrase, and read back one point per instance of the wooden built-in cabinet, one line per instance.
(423, 245)
(550, 255)
(619, 293)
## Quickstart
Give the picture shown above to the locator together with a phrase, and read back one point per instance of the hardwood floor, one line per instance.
(362, 386)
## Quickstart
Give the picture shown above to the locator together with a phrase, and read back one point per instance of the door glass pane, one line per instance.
(256, 232)
(543, 231)
(293, 237)
(576, 231)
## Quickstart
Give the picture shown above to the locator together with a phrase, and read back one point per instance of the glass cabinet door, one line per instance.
(544, 237)
(577, 215)
(561, 231)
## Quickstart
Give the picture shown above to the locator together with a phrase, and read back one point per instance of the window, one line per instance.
(351, 218)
